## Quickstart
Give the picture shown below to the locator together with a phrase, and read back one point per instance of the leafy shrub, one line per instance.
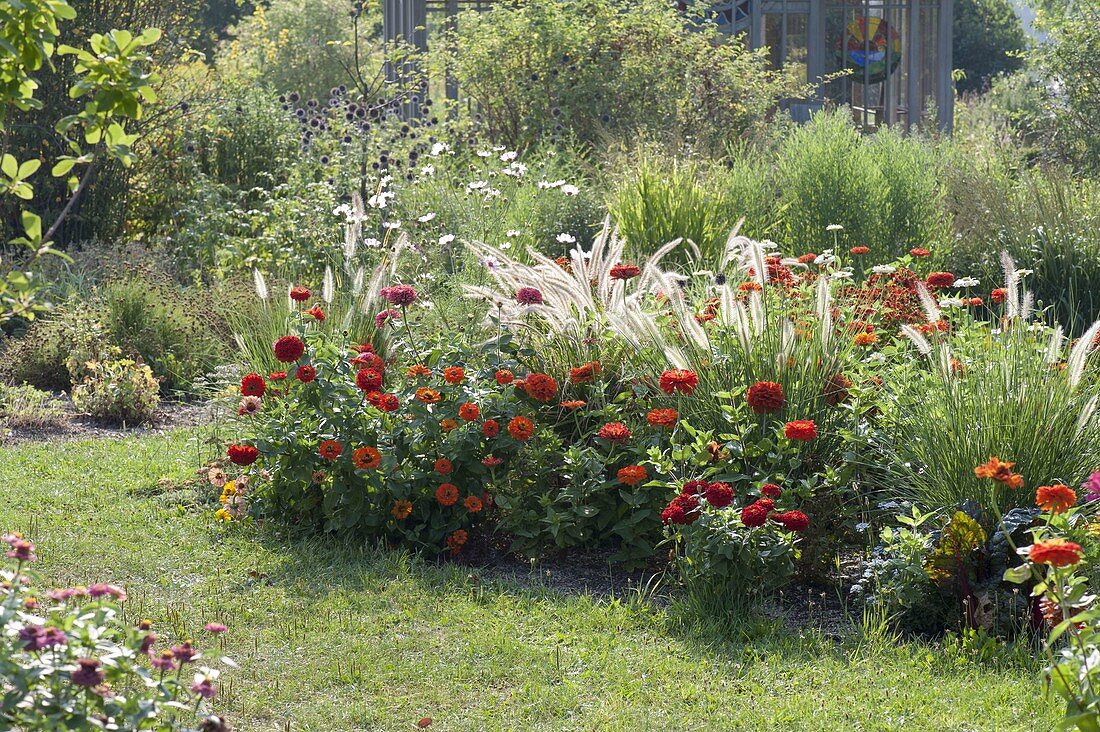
(121, 391)
(68, 660)
(39, 358)
(607, 67)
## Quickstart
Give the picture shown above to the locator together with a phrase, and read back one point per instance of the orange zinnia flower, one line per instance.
(1001, 471)
(469, 411)
(447, 424)
(632, 474)
(663, 418)
(541, 387)
(457, 540)
(585, 373)
(573, 404)
(428, 396)
(401, 510)
(418, 371)
(614, 432)
(865, 339)
(447, 494)
(1055, 552)
(330, 449)
(443, 466)
(521, 428)
(454, 375)
(366, 458)
(504, 377)
(679, 380)
(491, 428)
(472, 504)
(1055, 498)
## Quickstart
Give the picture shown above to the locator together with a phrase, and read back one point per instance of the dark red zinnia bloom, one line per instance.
(998, 295)
(792, 520)
(400, 295)
(289, 348)
(755, 514)
(368, 380)
(389, 403)
(317, 313)
(800, 429)
(765, 397)
(860, 250)
(299, 294)
(306, 373)
(242, 454)
(253, 385)
(529, 296)
(919, 252)
(615, 432)
(771, 490)
(683, 510)
(718, 495)
(625, 271)
(490, 428)
(940, 279)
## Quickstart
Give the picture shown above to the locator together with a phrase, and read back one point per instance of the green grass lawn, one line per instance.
(332, 637)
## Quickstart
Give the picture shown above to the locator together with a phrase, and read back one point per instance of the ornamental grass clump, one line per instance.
(69, 660)
(981, 392)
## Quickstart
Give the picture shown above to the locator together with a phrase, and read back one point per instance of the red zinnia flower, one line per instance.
(242, 454)
(940, 279)
(800, 429)
(998, 295)
(1056, 498)
(765, 397)
(385, 316)
(792, 520)
(693, 487)
(771, 490)
(424, 395)
(388, 403)
(253, 385)
(614, 432)
(756, 514)
(663, 418)
(1001, 471)
(447, 494)
(454, 374)
(1055, 552)
(625, 271)
(366, 458)
(683, 510)
(679, 380)
(632, 474)
(491, 428)
(330, 449)
(520, 428)
(368, 380)
(807, 258)
(469, 411)
(443, 466)
(305, 373)
(299, 294)
(719, 495)
(277, 375)
(456, 541)
(289, 348)
(317, 313)
(860, 250)
(919, 252)
(472, 504)
(573, 404)
(504, 377)
(541, 387)
(491, 462)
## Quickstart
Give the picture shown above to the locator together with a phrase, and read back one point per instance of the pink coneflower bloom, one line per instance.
(102, 589)
(184, 652)
(215, 628)
(1091, 486)
(21, 549)
(164, 662)
(203, 687)
(87, 673)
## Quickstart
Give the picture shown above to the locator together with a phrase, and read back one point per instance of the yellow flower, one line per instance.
(222, 515)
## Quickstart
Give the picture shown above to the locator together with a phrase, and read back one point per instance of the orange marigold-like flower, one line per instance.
(1055, 498)
(679, 380)
(521, 428)
(443, 466)
(751, 286)
(585, 373)
(401, 509)
(447, 424)
(447, 494)
(573, 404)
(800, 429)
(504, 377)
(472, 504)
(614, 432)
(541, 387)
(632, 474)
(427, 395)
(865, 339)
(765, 397)
(418, 371)
(330, 449)
(663, 418)
(469, 411)
(1001, 471)
(454, 374)
(366, 458)
(1055, 552)
(457, 540)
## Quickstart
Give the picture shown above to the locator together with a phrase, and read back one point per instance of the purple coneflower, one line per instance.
(87, 673)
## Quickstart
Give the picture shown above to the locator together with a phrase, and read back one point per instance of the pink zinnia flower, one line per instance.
(384, 317)
(400, 295)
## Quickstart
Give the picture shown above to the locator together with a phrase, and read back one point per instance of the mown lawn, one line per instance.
(334, 637)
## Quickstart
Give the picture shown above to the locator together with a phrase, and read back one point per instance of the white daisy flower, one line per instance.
(426, 217)
(966, 282)
(446, 239)
(883, 268)
(564, 238)
(570, 190)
